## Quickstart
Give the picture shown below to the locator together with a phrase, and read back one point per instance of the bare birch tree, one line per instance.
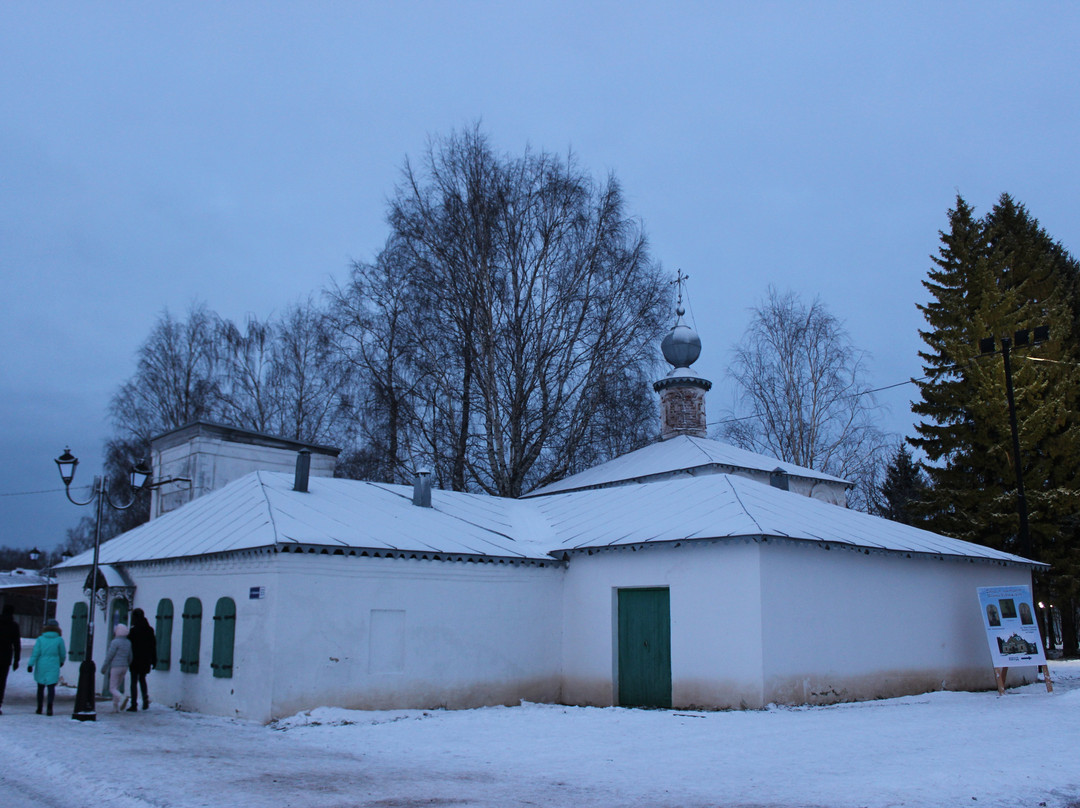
(312, 384)
(245, 394)
(802, 396)
(374, 330)
(528, 301)
(176, 379)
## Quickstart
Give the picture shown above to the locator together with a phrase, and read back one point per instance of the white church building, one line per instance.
(688, 574)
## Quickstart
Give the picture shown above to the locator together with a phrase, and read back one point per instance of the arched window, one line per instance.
(192, 636)
(77, 651)
(224, 636)
(163, 634)
(119, 615)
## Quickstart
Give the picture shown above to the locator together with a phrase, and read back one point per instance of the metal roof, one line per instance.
(262, 510)
(719, 506)
(680, 454)
(18, 578)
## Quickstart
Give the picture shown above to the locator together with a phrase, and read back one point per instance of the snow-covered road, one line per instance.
(937, 749)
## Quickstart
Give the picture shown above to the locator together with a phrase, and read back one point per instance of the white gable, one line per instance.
(682, 454)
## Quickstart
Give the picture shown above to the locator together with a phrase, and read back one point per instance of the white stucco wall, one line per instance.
(840, 624)
(381, 633)
(715, 622)
(248, 693)
(350, 631)
(751, 623)
(212, 463)
(787, 622)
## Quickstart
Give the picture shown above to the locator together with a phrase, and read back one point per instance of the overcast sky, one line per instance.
(241, 155)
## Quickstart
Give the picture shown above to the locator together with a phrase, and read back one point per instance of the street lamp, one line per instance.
(35, 554)
(138, 478)
(1023, 339)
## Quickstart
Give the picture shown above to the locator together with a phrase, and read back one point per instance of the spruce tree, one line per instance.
(903, 490)
(993, 277)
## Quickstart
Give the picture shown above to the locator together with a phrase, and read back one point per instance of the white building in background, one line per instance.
(687, 574)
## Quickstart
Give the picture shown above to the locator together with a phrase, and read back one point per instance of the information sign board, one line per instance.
(1008, 613)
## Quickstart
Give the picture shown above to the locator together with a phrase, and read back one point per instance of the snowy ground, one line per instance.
(938, 749)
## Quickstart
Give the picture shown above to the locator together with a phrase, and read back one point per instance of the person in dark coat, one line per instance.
(10, 647)
(143, 657)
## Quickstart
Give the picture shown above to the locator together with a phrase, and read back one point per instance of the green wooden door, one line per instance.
(644, 647)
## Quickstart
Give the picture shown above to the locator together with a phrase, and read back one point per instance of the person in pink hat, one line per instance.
(117, 661)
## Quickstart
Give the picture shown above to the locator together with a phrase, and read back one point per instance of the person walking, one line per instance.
(117, 661)
(45, 660)
(10, 647)
(143, 657)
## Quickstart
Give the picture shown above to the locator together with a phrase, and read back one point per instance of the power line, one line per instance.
(43, 491)
(909, 381)
(850, 395)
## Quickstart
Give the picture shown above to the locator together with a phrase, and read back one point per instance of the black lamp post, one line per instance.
(138, 478)
(35, 554)
(1021, 339)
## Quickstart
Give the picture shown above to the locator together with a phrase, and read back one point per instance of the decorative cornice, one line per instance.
(682, 381)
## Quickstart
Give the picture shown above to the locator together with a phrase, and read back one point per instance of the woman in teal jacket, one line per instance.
(45, 661)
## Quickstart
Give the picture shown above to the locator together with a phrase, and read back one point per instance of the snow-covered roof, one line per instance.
(679, 454)
(262, 510)
(16, 578)
(718, 506)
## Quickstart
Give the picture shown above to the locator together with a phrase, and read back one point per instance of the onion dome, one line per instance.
(682, 346)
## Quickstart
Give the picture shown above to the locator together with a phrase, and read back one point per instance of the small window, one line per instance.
(192, 636)
(77, 652)
(119, 615)
(224, 636)
(163, 634)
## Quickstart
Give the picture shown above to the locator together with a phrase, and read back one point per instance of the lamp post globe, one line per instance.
(67, 463)
(139, 477)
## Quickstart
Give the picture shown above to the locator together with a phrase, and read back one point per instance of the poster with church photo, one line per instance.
(1008, 613)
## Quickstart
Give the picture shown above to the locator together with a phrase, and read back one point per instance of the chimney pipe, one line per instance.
(778, 478)
(421, 492)
(303, 469)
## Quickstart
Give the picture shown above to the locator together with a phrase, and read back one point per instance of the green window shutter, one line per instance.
(77, 652)
(224, 637)
(192, 636)
(163, 634)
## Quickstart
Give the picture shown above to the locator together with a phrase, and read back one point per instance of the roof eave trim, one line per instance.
(566, 553)
(304, 548)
